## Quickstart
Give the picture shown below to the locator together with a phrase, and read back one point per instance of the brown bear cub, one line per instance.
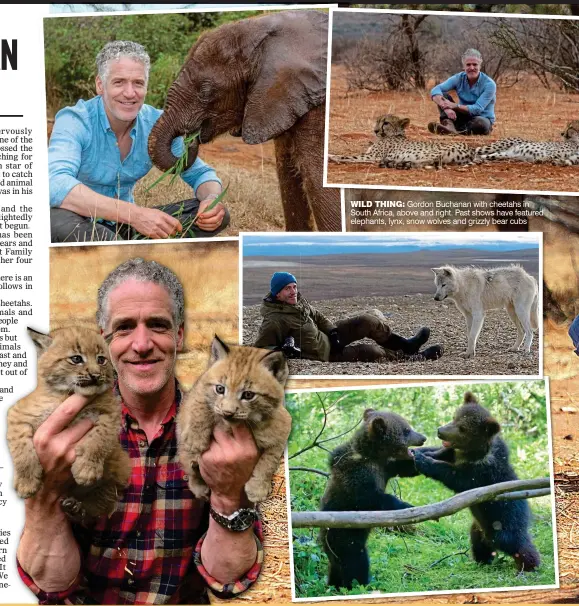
(360, 470)
(474, 455)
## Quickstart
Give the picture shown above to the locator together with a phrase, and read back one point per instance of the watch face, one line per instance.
(244, 519)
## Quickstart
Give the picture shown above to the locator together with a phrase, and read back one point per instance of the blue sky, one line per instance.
(287, 245)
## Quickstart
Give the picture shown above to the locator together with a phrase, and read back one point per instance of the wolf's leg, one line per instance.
(468, 319)
(473, 333)
(523, 311)
(517, 323)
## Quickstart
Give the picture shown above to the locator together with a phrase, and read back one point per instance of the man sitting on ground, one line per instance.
(291, 324)
(474, 114)
(98, 151)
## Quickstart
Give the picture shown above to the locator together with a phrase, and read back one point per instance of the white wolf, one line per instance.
(475, 290)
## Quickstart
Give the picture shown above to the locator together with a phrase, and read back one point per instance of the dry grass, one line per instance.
(525, 110)
(253, 198)
(207, 270)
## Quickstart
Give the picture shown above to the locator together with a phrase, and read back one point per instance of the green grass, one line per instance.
(411, 561)
(432, 556)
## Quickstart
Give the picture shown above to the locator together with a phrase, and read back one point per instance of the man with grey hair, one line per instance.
(474, 113)
(160, 545)
(98, 152)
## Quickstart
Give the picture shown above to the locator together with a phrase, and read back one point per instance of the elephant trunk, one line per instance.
(160, 141)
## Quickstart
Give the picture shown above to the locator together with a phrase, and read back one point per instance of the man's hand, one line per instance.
(227, 466)
(212, 219)
(289, 349)
(154, 223)
(450, 114)
(55, 442)
(442, 102)
(335, 344)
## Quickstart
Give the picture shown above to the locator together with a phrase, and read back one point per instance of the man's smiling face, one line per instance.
(143, 338)
(124, 89)
(471, 66)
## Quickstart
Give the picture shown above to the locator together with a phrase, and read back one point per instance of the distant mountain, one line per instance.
(320, 248)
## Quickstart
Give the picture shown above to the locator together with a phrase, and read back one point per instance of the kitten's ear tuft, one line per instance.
(276, 363)
(219, 350)
(41, 341)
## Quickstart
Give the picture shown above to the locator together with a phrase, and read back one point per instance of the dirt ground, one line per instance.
(407, 315)
(525, 110)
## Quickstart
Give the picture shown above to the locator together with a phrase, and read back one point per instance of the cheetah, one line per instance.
(394, 150)
(559, 153)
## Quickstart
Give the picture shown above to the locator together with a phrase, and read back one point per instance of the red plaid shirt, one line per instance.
(148, 550)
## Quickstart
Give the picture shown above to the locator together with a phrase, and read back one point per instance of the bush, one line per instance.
(72, 44)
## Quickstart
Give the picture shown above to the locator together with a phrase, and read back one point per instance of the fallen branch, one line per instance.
(523, 494)
(368, 519)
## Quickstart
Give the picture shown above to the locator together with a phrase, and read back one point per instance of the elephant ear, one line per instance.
(290, 73)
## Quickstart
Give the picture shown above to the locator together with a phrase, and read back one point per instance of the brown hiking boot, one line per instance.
(446, 127)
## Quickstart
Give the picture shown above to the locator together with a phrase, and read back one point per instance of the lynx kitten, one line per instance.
(72, 360)
(242, 384)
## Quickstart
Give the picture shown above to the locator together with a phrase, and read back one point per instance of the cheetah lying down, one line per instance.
(394, 150)
(561, 153)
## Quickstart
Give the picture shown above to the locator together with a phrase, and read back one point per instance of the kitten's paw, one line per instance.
(200, 491)
(257, 490)
(26, 487)
(467, 355)
(86, 473)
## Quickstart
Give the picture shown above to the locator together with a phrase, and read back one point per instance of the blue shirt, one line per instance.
(83, 149)
(479, 99)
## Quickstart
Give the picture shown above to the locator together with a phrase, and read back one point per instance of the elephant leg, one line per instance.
(296, 209)
(308, 150)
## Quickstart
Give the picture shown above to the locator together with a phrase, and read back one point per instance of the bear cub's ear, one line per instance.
(378, 426)
(470, 398)
(492, 426)
(368, 413)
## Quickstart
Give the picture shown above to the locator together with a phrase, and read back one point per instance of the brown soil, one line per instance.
(525, 110)
(408, 313)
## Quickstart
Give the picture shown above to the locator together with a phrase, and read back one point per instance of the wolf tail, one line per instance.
(535, 312)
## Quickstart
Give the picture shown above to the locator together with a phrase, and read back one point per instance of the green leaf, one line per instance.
(179, 166)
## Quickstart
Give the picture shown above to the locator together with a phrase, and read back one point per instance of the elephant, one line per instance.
(260, 78)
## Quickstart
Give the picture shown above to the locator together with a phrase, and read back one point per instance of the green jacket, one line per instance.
(301, 321)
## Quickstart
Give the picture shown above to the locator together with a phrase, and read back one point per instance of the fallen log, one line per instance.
(516, 489)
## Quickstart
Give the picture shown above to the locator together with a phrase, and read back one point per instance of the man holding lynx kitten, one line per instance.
(160, 544)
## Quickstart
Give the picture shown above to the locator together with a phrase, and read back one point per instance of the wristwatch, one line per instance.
(238, 521)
